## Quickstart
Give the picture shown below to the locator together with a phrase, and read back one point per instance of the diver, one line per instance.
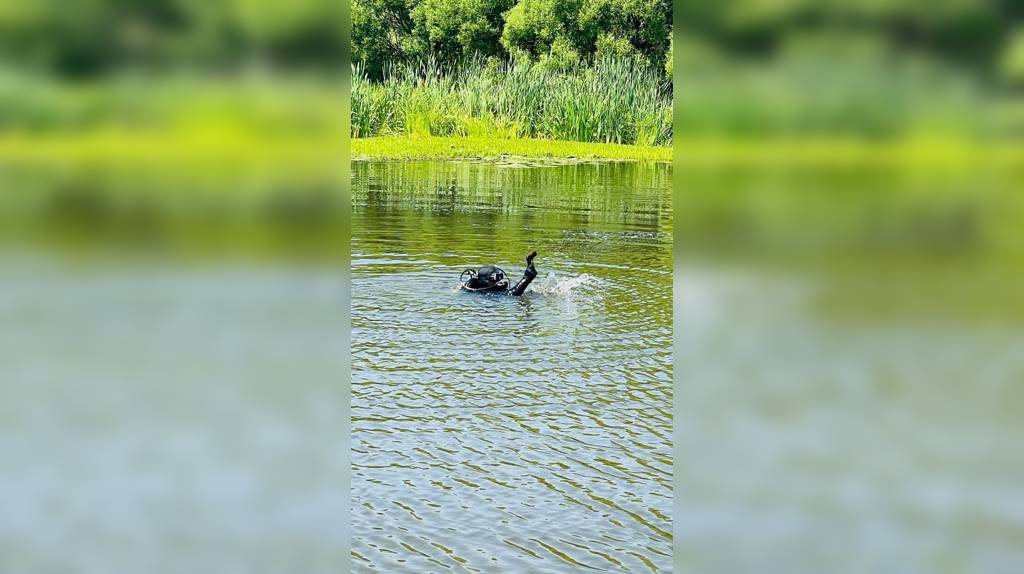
(491, 279)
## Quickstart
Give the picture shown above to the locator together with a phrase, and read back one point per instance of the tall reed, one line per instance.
(612, 100)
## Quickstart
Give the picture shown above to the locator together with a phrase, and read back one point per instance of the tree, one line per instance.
(558, 32)
(533, 26)
(591, 27)
(453, 29)
(381, 33)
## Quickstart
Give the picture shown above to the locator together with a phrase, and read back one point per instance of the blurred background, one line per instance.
(848, 243)
(173, 311)
(173, 286)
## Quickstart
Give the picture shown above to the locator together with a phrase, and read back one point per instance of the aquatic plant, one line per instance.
(613, 100)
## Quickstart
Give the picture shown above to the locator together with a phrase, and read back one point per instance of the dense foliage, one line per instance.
(90, 37)
(560, 33)
(927, 68)
(976, 35)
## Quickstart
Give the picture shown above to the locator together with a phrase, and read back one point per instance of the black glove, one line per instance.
(529, 258)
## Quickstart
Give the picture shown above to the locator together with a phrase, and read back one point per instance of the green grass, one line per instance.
(612, 101)
(179, 126)
(429, 147)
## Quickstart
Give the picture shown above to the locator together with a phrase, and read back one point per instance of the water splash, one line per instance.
(562, 286)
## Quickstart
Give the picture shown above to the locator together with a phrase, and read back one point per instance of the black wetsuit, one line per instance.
(528, 276)
(491, 279)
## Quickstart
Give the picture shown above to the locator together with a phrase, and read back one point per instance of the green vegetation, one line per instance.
(42, 103)
(139, 121)
(569, 70)
(142, 85)
(140, 156)
(88, 38)
(841, 87)
(198, 166)
(559, 33)
(402, 147)
(974, 35)
(804, 68)
(174, 124)
(615, 100)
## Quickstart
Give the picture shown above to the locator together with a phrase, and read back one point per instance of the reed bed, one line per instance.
(622, 101)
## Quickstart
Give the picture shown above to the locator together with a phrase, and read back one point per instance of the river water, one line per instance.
(172, 379)
(500, 434)
(848, 366)
(849, 363)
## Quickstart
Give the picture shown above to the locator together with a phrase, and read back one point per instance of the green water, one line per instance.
(169, 388)
(849, 360)
(847, 370)
(501, 434)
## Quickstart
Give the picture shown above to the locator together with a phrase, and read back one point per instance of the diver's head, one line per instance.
(486, 278)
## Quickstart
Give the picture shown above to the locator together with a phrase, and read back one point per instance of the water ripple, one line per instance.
(499, 434)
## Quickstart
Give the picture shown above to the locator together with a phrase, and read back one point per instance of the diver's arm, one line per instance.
(528, 275)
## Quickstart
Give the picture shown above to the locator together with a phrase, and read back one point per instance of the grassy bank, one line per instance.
(936, 153)
(405, 147)
(178, 124)
(613, 100)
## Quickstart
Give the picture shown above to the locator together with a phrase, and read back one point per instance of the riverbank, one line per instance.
(412, 147)
(945, 153)
(228, 149)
